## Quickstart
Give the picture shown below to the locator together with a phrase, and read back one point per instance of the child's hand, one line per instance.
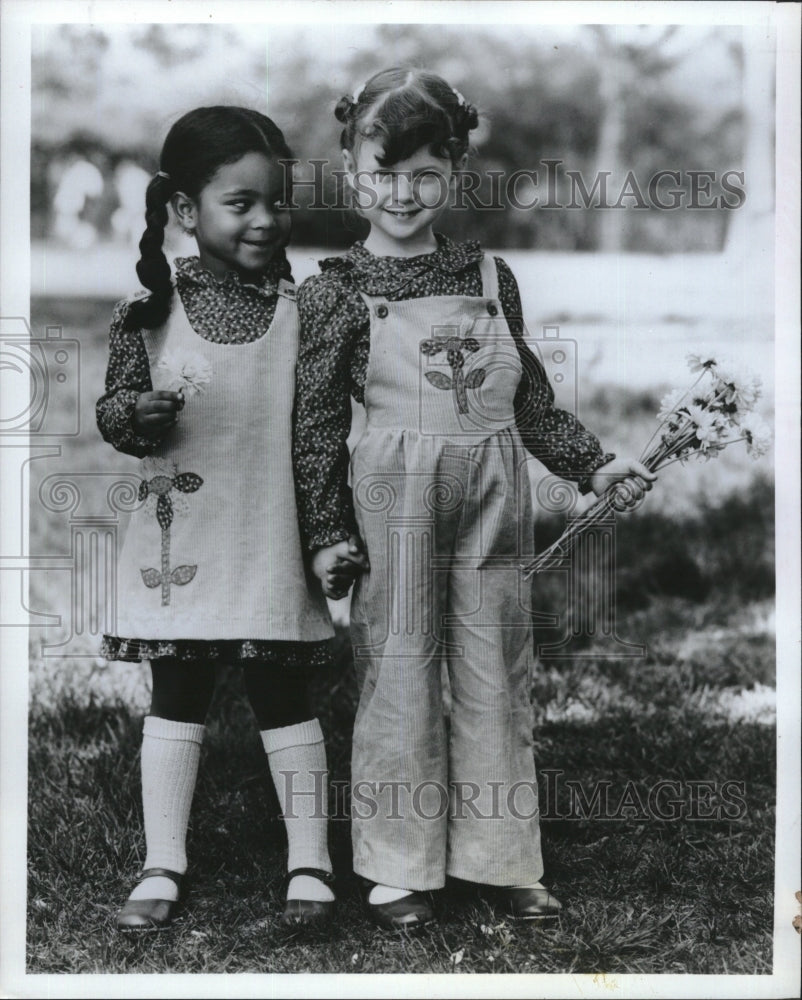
(157, 411)
(634, 477)
(337, 566)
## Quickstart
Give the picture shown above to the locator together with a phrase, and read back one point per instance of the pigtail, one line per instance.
(345, 111)
(285, 268)
(152, 268)
(343, 108)
(466, 119)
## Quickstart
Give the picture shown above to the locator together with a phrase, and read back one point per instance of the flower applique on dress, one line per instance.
(161, 489)
(455, 348)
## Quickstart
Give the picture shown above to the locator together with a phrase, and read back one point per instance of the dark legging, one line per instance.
(182, 692)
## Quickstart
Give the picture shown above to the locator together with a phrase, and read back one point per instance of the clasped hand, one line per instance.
(338, 565)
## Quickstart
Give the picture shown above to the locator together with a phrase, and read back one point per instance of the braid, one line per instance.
(280, 258)
(152, 268)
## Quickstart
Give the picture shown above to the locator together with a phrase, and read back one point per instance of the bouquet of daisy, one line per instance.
(717, 410)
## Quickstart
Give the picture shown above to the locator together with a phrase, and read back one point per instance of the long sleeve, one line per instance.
(552, 435)
(127, 376)
(322, 416)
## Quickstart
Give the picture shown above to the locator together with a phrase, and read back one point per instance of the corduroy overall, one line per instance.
(443, 504)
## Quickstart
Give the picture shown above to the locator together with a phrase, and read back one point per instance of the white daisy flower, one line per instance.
(670, 402)
(736, 384)
(757, 433)
(189, 372)
(708, 430)
(700, 362)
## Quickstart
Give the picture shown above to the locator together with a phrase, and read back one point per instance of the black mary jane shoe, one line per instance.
(300, 914)
(150, 914)
(406, 915)
(524, 903)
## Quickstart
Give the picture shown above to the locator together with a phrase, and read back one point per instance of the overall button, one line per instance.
(492, 309)
(381, 312)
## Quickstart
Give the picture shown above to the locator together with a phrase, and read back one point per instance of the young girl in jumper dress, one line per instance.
(200, 387)
(428, 333)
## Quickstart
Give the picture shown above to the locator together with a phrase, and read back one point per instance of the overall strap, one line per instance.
(373, 302)
(487, 268)
(286, 313)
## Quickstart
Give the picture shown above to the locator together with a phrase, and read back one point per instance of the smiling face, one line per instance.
(401, 202)
(240, 217)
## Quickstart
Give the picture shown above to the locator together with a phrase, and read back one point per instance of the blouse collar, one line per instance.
(191, 272)
(379, 275)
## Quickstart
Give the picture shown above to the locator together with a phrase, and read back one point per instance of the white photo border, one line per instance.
(18, 16)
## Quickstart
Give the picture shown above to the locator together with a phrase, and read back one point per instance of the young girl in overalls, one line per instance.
(428, 334)
(200, 387)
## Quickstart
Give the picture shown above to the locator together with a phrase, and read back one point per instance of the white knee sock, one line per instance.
(170, 755)
(297, 759)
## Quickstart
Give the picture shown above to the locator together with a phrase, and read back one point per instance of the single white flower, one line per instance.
(708, 429)
(757, 434)
(736, 385)
(697, 415)
(188, 372)
(700, 362)
(670, 402)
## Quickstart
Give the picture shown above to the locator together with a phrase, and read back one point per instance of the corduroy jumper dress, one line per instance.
(214, 552)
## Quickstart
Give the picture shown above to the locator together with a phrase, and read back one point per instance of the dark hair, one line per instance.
(406, 108)
(197, 145)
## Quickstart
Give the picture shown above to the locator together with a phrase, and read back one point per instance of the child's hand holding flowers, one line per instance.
(156, 412)
(178, 376)
(634, 480)
(698, 422)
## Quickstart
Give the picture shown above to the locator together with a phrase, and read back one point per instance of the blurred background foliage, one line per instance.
(614, 98)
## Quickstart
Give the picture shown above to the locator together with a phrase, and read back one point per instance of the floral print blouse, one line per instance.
(332, 366)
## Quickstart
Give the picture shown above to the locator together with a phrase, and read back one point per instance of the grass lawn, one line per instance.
(642, 894)
(691, 892)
